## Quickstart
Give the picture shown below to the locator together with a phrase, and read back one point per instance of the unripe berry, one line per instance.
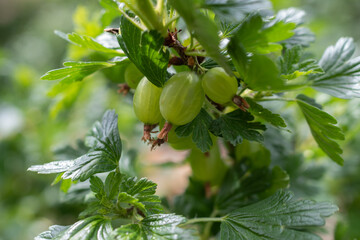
(219, 86)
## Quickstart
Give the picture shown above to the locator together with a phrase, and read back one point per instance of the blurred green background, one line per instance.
(33, 125)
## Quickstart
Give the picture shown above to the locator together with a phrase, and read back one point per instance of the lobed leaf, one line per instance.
(88, 42)
(277, 217)
(247, 46)
(199, 130)
(342, 73)
(302, 35)
(103, 156)
(157, 226)
(145, 50)
(236, 126)
(141, 194)
(323, 129)
(73, 72)
(292, 67)
(261, 112)
(95, 227)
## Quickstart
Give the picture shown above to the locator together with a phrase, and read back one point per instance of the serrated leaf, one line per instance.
(236, 126)
(203, 28)
(323, 129)
(92, 44)
(227, 28)
(277, 217)
(342, 73)
(261, 112)
(72, 72)
(53, 231)
(157, 226)
(112, 183)
(199, 130)
(140, 192)
(292, 15)
(247, 46)
(145, 50)
(236, 10)
(302, 37)
(292, 67)
(94, 227)
(103, 156)
(105, 195)
(309, 101)
(255, 37)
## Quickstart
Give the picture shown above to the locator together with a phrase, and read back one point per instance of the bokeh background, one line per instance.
(34, 127)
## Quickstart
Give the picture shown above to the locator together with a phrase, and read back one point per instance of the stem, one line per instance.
(275, 99)
(201, 220)
(207, 228)
(200, 54)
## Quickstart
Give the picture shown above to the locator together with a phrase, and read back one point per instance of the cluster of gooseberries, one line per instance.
(179, 101)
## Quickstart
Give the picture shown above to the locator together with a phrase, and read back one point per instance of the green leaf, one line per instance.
(277, 217)
(302, 36)
(105, 202)
(73, 72)
(292, 15)
(261, 112)
(266, 79)
(112, 183)
(119, 195)
(103, 156)
(94, 227)
(342, 73)
(53, 231)
(157, 226)
(227, 28)
(145, 50)
(199, 130)
(236, 10)
(203, 28)
(292, 67)
(323, 129)
(236, 126)
(88, 42)
(255, 37)
(141, 194)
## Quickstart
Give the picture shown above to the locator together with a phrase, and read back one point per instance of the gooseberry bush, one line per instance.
(199, 73)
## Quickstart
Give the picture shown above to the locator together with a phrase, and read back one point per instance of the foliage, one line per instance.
(266, 52)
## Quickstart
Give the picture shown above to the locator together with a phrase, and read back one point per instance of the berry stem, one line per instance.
(147, 132)
(164, 131)
(162, 136)
(124, 88)
(241, 103)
